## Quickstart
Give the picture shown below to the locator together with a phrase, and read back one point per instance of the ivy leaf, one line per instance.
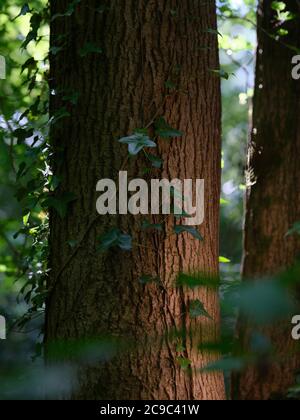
(125, 242)
(164, 130)
(183, 362)
(24, 10)
(35, 22)
(30, 65)
(278, 6)
(214, 32)
(198, 280)
(26, 219)
(179, 214)
(282, 32)
(170, 85)
(90, 48)
(189, 229)
(115, 238)
(72, 98)
(156, 161)
(146, 279)
(136, 142)
(294, 230)
(180, 348)
(224, 260)
(100, 9)
(69, 11)
(283, 15)
(176, 194)
(197, 309)
(110, 239)
(22, 170)
(55, 50)
(147, 225)
(59, 206)
(221, 73)
(72, 243)
(60, 203)
(225, 9)
(59, 115)
(228, 364)
(29, 203)
(22, 134)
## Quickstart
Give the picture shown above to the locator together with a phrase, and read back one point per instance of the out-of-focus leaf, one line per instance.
(230, 364)
(164, 130)
(189, 229)
(115, 238)
(197, 309)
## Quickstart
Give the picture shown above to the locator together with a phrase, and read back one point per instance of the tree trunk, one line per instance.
(273, 195)
(155, 61)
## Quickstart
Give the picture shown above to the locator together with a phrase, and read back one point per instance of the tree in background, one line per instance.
(22, 263)
(273, 196)
(120, 67)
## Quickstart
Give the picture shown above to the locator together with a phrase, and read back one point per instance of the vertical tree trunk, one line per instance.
(155, 61)
(273, 195)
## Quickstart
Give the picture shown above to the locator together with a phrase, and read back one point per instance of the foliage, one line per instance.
(115, 238)
(24, 172)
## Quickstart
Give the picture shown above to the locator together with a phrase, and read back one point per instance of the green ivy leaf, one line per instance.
(228, 364)
(147, 225)
(137, 142)
(22, 170)
(59, 115)
(72, 243)
(224, 260)
(294, 230)
(170, 85)
(180, 348)
(59, 203)
(55, 50)
(30, 64)
(189, 229)
(221, 73)
(156, 161)
(3, 268)
(90, 48)
(278, 6)
(213, 31)
(146, 279)
(72, 98)
(183, 362)
(56, 204)
(197, 309)
(179, 214)
(115, 238)
(24, 10)
(70, 10)
(164, 130)
(29, 203)
(22, 134)
(282, 32)
(26, 219)
(35, 22)
(198, 280)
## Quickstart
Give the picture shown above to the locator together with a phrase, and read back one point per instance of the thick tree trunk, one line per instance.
(144, 45)
(273, 194)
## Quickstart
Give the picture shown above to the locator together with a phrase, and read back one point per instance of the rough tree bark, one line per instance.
(144, 45)
(273, 194)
